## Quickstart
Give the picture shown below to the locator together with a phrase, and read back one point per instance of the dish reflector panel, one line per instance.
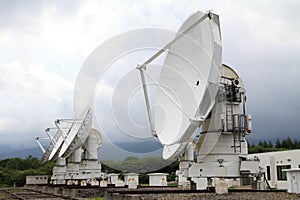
(173, 150)
(78, 134)
(189, 80)
(53, 148)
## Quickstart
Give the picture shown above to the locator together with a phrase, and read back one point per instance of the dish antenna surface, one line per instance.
(78, 133)
(55, 144)
(188, 82)
(66, 139)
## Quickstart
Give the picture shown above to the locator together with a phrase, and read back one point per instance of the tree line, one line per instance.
(279, 145)
(13, 171)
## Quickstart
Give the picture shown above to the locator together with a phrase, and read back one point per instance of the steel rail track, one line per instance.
(30, 194)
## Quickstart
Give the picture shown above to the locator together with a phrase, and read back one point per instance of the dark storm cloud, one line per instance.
(266, 56)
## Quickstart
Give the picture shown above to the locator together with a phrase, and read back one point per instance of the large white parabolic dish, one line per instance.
(189, 80)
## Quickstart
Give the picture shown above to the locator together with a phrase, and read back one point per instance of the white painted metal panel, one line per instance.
(189, 80)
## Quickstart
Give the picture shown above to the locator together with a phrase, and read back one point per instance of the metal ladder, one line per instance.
(229, 117)
(237, 140)
(231, 127)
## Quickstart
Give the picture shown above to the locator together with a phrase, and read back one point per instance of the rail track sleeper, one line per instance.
(14, 195)
(26, 194)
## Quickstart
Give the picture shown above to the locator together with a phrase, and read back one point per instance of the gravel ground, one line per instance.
(239, 195)
(230, 196)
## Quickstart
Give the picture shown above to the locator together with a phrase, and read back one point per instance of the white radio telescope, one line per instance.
(74, 147)
(197, 92)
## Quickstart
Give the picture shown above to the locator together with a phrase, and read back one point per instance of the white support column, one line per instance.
(141, 68)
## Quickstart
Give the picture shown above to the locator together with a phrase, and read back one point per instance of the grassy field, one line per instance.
(97, 198)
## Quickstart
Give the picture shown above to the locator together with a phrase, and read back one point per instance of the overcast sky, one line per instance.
(44, 43)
